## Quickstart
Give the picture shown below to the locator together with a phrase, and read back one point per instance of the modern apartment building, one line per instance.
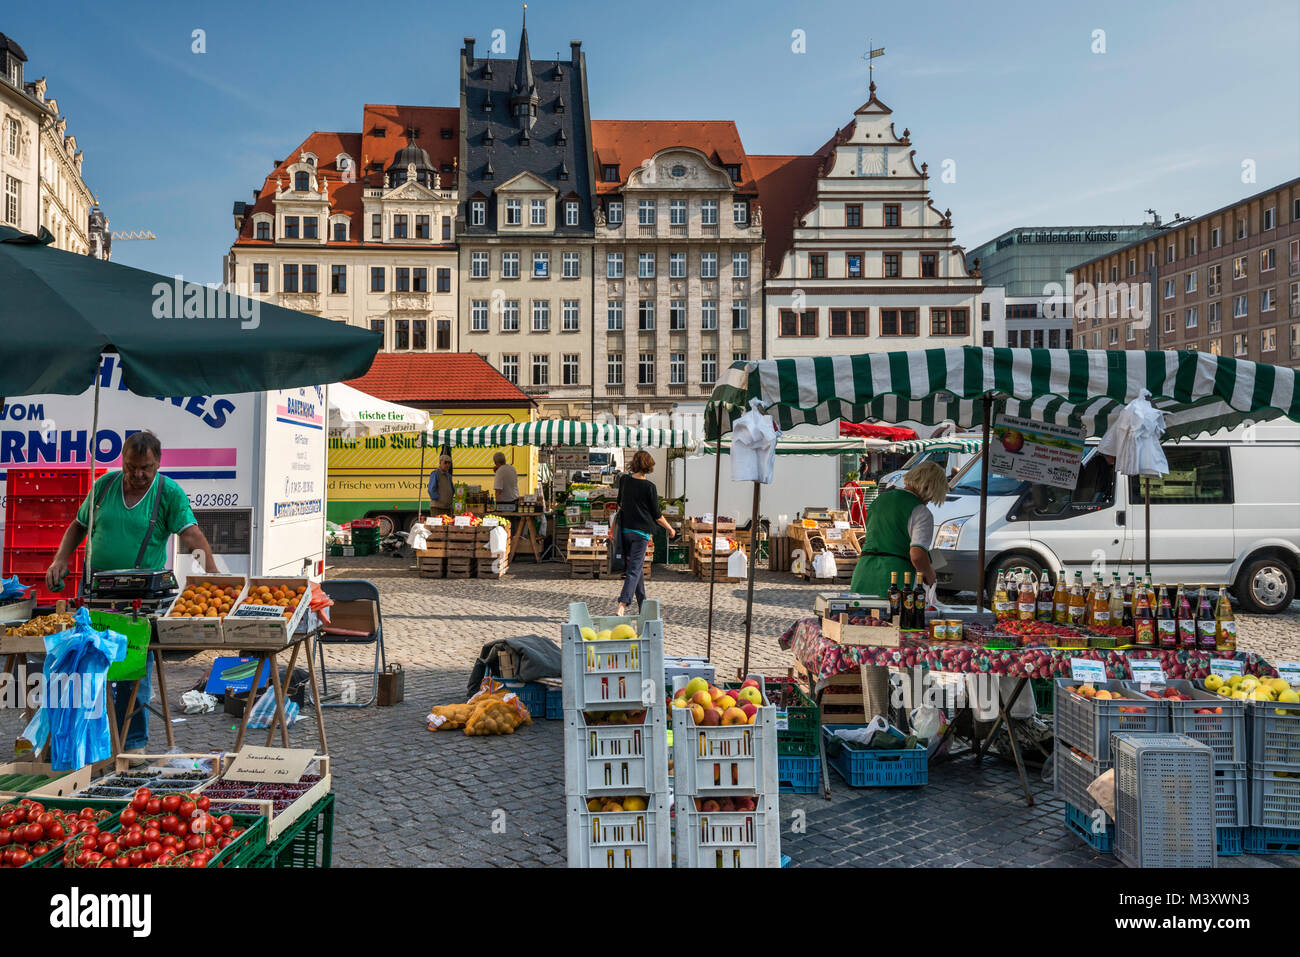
(1227, 282)
(678, 258)
(858, 259)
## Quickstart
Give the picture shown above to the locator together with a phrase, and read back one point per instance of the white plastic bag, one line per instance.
(753, 446)
(929, 723)
(1134, 439)
(738, 565)
(498, 541)
(824, 565)
(196, 702)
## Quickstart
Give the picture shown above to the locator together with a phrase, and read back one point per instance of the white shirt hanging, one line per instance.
(753, 446)
(1134, 439)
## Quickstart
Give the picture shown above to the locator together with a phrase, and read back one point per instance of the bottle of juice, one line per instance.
(1046, 599)
(1028, 600)
(1186, 618)
(1001, 601)
(1116, 601)
(1166, 624)
(1100, 605)
(1206, 626)
(1078, 605)
(1225, 624)
(1144, 623)
(1061, 600)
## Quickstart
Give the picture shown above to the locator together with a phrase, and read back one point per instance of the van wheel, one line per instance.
(1266, 586)
(387, 525)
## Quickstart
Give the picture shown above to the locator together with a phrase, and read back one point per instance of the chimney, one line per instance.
(575, 51)
(469, 51)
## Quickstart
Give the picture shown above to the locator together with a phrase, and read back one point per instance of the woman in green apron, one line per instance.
(900, 529)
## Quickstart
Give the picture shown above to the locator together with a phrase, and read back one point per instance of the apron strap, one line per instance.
(153, 520)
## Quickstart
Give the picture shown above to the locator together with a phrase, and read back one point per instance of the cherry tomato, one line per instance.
(111, 849)
(203, 803)
(224, 842)
(193, 842)
(226, 821)
(83, 858)
(6, 837)
(34, 833)
(186, 809)
(55, 832)
(19, 858)
(123, 861)
(154, 806)
(153, 850)
(141, 800)
(183, 828)
(152, 833)
(171, 802)
(128, 815)
(209, 841)
(137, 858)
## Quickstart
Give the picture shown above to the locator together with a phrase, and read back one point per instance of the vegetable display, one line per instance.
(170, 830)
(29, 830)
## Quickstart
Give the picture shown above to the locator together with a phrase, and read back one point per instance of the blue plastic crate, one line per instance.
(799, 775)
(1271, 840)
(1079, 823)
(531, 693)
(554, 703)
(785, 860)
(1228, 841)
(865, 768)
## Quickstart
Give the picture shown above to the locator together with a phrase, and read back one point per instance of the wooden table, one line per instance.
(523, 527)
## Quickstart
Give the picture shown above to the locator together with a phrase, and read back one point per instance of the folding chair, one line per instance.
(353, 589)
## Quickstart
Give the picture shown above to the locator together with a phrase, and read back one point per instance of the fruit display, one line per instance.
(124, 784)
(41, 626)
(202, 599)
(284, 596)
(1102, 694)
(29, 830)
(1252, 688)
(157, 830)
(281, 796)
(611, 805)
(474, 520)
(621, 632)
(710, 706)
(1050, 633)
(713, 805)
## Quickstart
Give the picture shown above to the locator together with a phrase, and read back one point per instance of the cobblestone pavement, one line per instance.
(409, 797)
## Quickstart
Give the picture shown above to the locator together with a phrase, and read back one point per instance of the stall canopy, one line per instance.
(815, 445)
(562, 432)
(869, 430)
(353, 414)
(61, 311)
(936, 445)
(1201, 391)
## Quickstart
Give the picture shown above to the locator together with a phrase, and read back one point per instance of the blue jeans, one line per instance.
(137, 735)
(634, 549)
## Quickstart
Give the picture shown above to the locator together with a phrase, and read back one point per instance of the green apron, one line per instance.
(886, 544)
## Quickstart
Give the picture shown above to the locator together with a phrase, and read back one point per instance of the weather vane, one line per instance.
(870, 56)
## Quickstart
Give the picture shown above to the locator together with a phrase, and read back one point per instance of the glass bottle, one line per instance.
(1206, 626)
(1078, 601)
(1001, 600)
(1116, 601)
(1144, 623)
(1225, 624)
(1061, 600)
(1185, 615)
(895, 596)
(909, 603)
(1100, 605)
(1166, 624)
(1046, 598)
(1028, 600)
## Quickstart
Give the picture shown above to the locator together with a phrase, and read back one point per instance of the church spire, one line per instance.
(524, 98)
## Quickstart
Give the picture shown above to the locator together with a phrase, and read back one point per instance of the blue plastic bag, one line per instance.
(74, 711)
(263, 712)
(12, 588)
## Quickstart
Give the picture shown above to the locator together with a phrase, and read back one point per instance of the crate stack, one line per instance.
(39, 506)
(365, 536)
(1274, 777)
(1164, 801)
(487, 565)
(431, 561)
(1082, 728)
(706, 560)
(726, 761)
(616, 741)
(798, 724)
(588, 555)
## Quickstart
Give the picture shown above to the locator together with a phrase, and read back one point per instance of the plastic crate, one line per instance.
(1228, 841)
(615, 759)
(1231, 795)
(1074, 773)
(610, 675)
(1080, 823)
(34, 561)
(1275, 796)
(799, 775)
(54, 858)
(60, 509)
(868, 768)
(620, 839)
(47, 482)
(798, 719)
(1274, 737)
(1164, 801)
(725, 759)
(728, 839)
(531, 693)
(1271, 840)
(1044, 694)
(554, 704)
(1225, 733)
(1087, 723)
(30, 533)
(307, 843)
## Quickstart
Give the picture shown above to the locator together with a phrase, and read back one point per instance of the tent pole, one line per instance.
(1146, 482)
(94, 447)
(749, 591)
(419, 491)
(987, 402)
(713, 565)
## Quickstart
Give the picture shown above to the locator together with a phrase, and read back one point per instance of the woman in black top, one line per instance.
(638, 514)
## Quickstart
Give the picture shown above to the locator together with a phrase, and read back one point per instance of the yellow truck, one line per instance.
(380, 477)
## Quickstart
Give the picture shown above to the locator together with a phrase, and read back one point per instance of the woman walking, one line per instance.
(638, 514)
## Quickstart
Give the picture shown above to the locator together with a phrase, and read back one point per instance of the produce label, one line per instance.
(258, 611)
(600, 531)
(582, 543)
(1289, 671)
(1036, 451)
(491, 521)
(462, 521)
(270, 764)
(783, 721)
(841, 525)
(1147, 671)
(834, 534)
(1225, 667)
(1087, 669)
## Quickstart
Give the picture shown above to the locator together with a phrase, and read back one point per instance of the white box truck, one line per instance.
(252, 464)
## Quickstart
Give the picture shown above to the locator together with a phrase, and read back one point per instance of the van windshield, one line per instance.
(967, 481)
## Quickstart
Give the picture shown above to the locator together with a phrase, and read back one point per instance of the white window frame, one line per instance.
(1191, 317)
(570, 361)
(537, 212)
(510, 315)
(1169, 289)
(677, 212)
(570, 265)
(1270, 218)
(572, 213)
(645, 315)
(614, 213)
(1189, 284)
(514, 212)
(541, 266)
(708, 368)
(614, 315)
(1267, 259)
(570, 315)
(478, 315)
(677, 368)
(478, 213)
(541, 312)
(677, 265)
(740, 213)
(1268, 340)
(510, 367)
(509, 265)
(708, 265)
(1240, 307)
(740, 265)
(614, 368)
(13, 201)
(645, 212)
(479, 265)
(1243, 262)
(645, 265)
(739, 314)
(645, 360)
(1267, 300)
(541, 361)
(709, 212)
(708, 315)
(613, 265)
(1240, 344)
(1114, 336)
(677, 315)
(742, 356)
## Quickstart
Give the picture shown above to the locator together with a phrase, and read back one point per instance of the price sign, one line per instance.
(491, 521)
(582, 543)
(707, 519)
(462, 521)
(258, 611)
(1289, 671)
(1087, 670)
(270, 764)
(720, 544)
(600, 531)
(1225, 668)
(1147, 671)
(834, 534)
(842, 525)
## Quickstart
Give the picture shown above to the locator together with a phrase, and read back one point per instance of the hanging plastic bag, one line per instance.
(753, 446)
(1134, 440)
(824, 565)
(738, 564)
(498, 541)
(12, 589)
(929, 725)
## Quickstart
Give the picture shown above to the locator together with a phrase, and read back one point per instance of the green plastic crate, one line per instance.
(1044, 694)
(308, 842)
(138, 632)
(55, 857)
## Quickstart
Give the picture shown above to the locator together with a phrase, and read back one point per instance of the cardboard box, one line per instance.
(198, 630)
(360, 614)
(59, 783)
(268, 630)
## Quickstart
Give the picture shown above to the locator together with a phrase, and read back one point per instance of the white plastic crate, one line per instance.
(612, 675)
(620, 839)
(615, 759)
(725, 759)
(728, 839)
(1164, 801)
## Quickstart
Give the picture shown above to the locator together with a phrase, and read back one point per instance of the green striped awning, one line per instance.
(816, 445)
(1080, 387)
(560, 432)
(937, 445)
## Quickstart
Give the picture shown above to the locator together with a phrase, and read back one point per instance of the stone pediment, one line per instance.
(678, 167)
(411, 191)
(527, 182)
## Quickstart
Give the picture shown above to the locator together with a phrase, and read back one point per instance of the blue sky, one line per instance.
(1041, 129)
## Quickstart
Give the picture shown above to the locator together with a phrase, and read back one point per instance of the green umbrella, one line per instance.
(59, 312)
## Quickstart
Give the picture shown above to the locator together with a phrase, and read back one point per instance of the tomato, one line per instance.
(226, 821)
(216, 830)
(122, 862)
(45, 819)
(168, 840)
(6, 837)
(92, 830)
(88, 842)
(151, 833)
(224, 842)
(171, 802)
(8, 820)
(154, 806)
(111, 849)
(193, 842)
(209, 841)
(19, 858)
(137, 858)
(141, 800)
(203, 803)
(34, 833)
(186, 809)
(169, 823)
(129, 815)
(83, 858)
(55, 832)
(153, 850)
(183, 828)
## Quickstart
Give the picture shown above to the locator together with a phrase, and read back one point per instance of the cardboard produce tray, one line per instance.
(253, 629)
(198, 630)
(57, 783)
(277, 822)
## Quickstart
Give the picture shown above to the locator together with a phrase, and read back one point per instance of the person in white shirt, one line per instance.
(505, 484)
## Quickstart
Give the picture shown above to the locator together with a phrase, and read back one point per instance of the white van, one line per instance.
(1228, 513)
(949, 461)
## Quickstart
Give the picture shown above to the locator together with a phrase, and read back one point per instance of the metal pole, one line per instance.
(94, 442)
(419, 508)
(749, 592)
(987, 403)
(713, 565)
(1146, 482)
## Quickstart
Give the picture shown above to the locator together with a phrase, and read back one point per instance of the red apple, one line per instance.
(749, 709)
(712, 716)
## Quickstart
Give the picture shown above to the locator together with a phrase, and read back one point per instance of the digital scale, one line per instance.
(144, 590)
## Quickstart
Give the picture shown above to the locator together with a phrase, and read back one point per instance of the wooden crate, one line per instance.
(491, 568)
(841, 700)
(459, 568)
(428, 566)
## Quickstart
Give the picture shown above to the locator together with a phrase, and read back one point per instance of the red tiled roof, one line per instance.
(364, 148)
(629, 143)
(786, 185)
(437, 377)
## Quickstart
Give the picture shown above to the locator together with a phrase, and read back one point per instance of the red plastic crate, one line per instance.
(49, 481)
(28, 534)
(71, 588)
(365, 523)
(34, 561)
(42, 508)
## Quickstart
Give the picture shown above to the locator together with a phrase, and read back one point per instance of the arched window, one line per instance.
(302, 181)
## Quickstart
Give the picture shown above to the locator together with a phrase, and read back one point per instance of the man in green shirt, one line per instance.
(137, 511)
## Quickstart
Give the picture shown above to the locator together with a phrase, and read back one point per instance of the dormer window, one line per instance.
(379, 132)
(559, 104)
(487, 104)
(302, 181)
(609, 173)
(262, 230)
(733, 171)
(396, 178)
(310, 160)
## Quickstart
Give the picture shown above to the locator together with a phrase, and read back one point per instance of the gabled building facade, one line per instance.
(525, 225)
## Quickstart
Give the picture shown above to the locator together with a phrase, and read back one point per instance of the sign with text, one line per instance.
(1147, 671)
(270, 764)
(1225, 668)
(1289, 671)
(1087, 669)
(1036, 451)
(491, 521)
(582, 543)
(462, 521)
(573, 459)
